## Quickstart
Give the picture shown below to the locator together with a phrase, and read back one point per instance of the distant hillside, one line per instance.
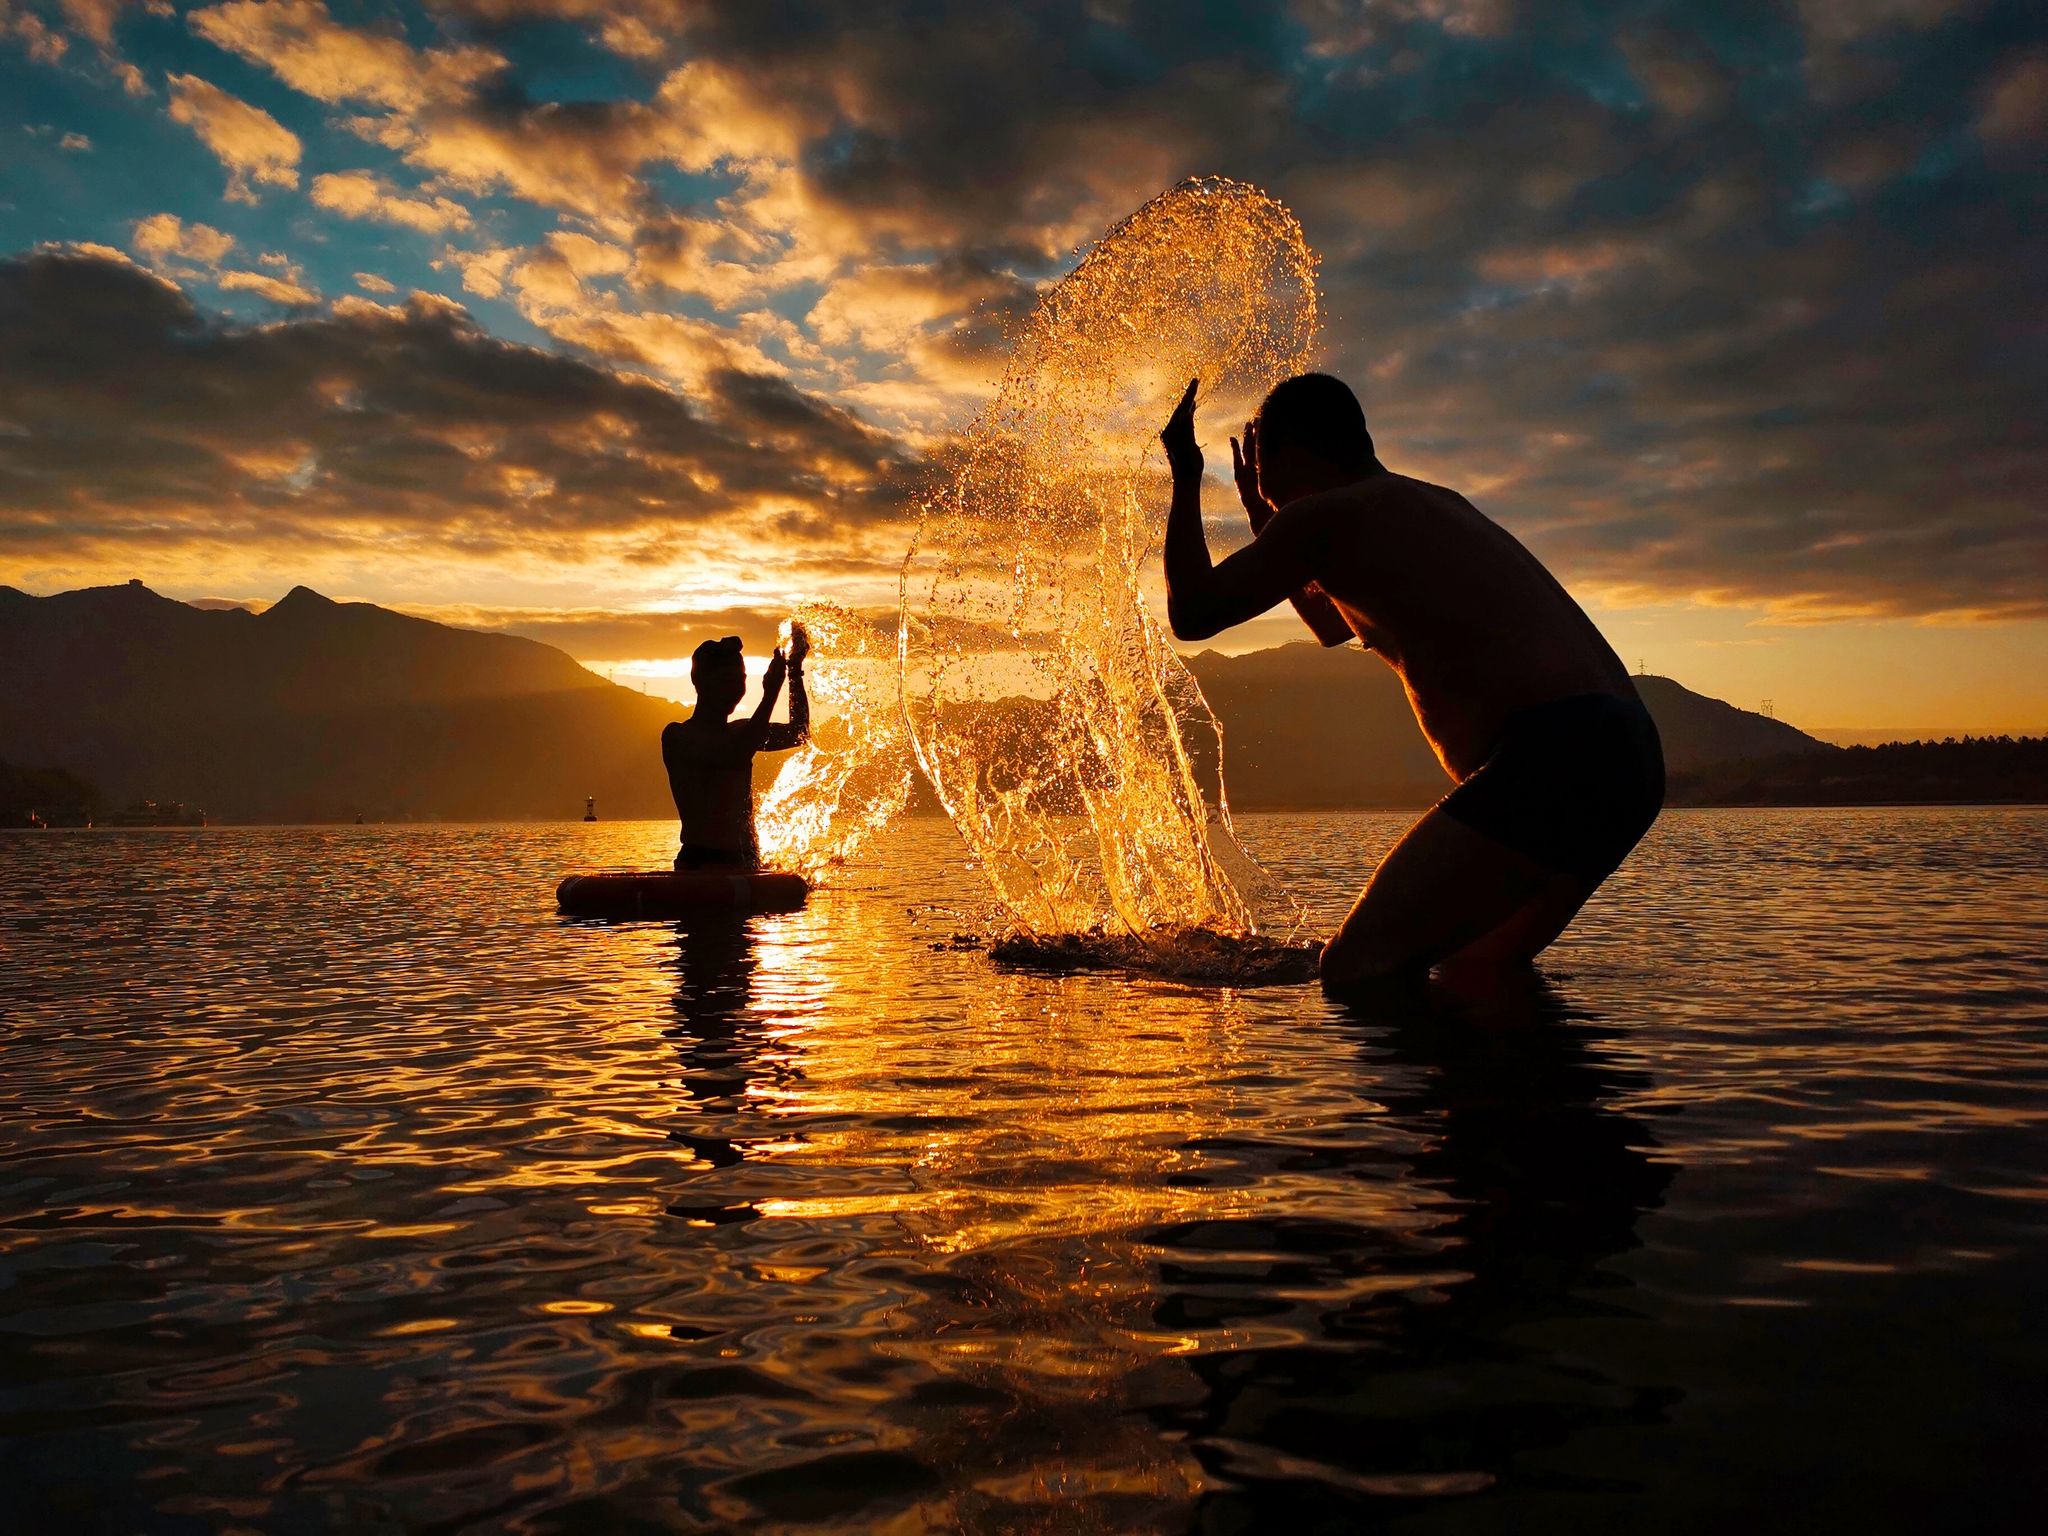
(1308, 727)
(1984, 769)
(316, 710)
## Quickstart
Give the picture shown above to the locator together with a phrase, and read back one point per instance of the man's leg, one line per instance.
(1443, 887)
(1532, 929)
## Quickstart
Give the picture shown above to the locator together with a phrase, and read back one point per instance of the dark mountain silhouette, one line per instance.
(1306, 727)
(317, 710)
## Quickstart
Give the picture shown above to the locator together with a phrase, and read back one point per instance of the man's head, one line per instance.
(718, 672)
(1312, 438)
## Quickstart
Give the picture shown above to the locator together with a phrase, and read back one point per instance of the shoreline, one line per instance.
(1237, 811)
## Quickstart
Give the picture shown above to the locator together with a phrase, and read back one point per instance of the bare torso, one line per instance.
(711, 775)
(1472, 622)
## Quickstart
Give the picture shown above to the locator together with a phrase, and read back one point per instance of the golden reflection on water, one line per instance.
(341, 1178)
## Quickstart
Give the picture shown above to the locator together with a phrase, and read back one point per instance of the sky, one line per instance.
(622, 322)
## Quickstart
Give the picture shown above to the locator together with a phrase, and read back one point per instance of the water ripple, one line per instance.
(344, 1186)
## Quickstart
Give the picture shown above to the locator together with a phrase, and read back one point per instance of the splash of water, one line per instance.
(852, 778)
(1052, 717)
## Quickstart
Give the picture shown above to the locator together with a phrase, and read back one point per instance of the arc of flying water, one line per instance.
(1040, 535)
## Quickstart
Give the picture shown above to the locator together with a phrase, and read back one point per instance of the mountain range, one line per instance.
(318, 710)
(1305, 727)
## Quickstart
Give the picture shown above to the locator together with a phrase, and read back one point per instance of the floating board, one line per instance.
(680, 893)
(1197, 956)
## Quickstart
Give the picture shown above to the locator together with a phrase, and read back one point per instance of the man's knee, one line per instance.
(1361, 955)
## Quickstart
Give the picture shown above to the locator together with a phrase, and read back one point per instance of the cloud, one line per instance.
(48, 43)
(311, 52)
(255, 147)
(163, 239)
(2016, 106)
(141, 428)
(566, 286)
(586, 158)
(39, 40)
(362, 195)
(75, 143)
(94, 18)
(1844, 21)
(279, 290)
(370, 282)
(1743, 312)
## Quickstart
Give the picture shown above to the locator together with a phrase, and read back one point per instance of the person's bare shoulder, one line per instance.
(1348, 509)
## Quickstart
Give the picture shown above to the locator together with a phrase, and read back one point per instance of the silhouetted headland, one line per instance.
(314, 710)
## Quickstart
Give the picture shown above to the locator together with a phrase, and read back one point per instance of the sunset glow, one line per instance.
(840, 766)
(618, 332)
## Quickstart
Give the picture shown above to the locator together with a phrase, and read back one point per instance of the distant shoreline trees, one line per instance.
(1971, 769)
(47, 796)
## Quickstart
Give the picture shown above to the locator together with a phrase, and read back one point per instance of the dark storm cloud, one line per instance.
(127, 412)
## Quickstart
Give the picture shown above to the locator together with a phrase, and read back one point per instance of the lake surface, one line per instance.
(344, 1186)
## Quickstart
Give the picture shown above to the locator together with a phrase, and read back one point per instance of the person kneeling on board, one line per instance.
(710, 756)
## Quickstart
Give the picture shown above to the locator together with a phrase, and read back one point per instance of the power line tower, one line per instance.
(1768, 709)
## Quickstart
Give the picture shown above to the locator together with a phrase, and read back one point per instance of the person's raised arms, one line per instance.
(753, 735)
(1203, 598)
(780, 738)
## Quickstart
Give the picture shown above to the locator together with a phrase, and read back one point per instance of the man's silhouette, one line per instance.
(710, 756)
(1558, 766)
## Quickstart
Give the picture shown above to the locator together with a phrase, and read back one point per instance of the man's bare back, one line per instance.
(1472, 622)
(1557, 763)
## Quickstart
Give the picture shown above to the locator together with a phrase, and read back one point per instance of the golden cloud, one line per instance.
(279, 290)
(254, 146)
(164, 239)
(364, 195)
(313, 53)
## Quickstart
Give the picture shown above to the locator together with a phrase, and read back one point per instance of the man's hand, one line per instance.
(799, 644)
(1244, 468)
(1183, 453)
(771, 683)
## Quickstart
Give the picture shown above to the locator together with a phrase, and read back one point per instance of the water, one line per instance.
(345, 1187)
(843, 787)
(1054, 721)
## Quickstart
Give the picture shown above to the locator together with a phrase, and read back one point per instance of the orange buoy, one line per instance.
(680, 893)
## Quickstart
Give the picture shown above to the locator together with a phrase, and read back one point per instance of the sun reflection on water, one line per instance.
(343, 1181)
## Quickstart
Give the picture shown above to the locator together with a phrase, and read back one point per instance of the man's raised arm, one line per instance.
(1203, 598)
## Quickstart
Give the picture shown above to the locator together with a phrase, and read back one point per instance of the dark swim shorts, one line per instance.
(1574, 783)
